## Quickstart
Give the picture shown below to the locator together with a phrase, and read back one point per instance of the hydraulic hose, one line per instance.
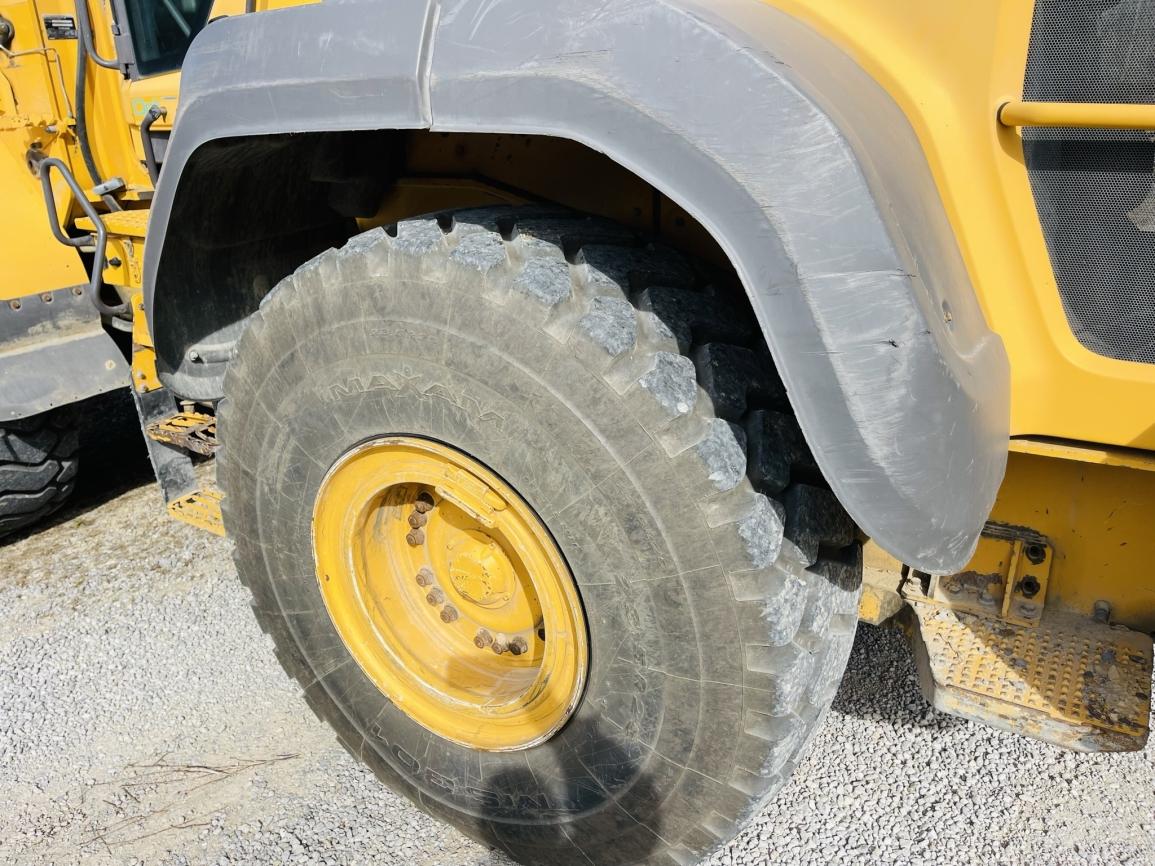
(81, 114)
(86, 41)
(81, 121)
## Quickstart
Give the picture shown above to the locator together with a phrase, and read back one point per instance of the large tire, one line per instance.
(636, 409)
(37, 467)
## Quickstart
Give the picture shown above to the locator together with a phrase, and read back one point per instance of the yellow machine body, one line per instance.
(1080, 478)
(951, 68)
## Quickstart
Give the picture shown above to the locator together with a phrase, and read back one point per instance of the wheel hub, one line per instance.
(449, 593)
(480, 571)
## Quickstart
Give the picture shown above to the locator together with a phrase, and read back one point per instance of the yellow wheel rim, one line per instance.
(449, 593)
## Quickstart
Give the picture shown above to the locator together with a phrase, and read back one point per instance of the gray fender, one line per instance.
(799, 164)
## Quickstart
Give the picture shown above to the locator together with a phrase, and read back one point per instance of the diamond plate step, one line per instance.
(1076, 683)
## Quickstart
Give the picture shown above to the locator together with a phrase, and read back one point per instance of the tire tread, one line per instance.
(37, 467)
(645, 320)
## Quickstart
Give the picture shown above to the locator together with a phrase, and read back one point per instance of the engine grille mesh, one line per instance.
(1095, 189)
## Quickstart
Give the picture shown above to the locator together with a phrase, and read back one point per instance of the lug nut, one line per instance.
(415, 538)
(417, 519)
(424, 503)
(435, 596)
(482, 639)
(448, 613)
(518, 645)
(499, 645)
(425, 577)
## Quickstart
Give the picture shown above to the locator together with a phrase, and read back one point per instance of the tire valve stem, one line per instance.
(425, 577)
(424, 502)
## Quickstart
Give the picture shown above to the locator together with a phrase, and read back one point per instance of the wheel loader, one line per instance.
(579, 374)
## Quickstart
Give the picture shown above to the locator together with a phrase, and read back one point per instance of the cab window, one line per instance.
(162, 31)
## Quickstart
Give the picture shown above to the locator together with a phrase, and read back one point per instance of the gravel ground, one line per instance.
(143, 719)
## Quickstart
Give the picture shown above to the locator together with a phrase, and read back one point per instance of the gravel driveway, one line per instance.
(143, 719)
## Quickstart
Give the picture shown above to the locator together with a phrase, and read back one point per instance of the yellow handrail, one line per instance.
(1085, 115)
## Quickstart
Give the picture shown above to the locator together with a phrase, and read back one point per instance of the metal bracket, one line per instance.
(1007, 578)
(172, 465)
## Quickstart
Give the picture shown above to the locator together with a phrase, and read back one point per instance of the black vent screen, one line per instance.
(1095, 189)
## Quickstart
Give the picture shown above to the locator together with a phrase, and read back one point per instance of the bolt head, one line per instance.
(482, 639)
(417, 519)
(415, 538)
(435, 596)
(518, 645)
(1035, 552)
(425, 577)
(448, 613)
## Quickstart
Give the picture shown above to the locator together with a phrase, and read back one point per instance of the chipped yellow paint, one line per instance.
(1097, 517)
(882, 577)
(144, 376)
(879, 602)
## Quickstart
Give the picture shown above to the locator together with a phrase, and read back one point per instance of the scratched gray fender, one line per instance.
(799, 164)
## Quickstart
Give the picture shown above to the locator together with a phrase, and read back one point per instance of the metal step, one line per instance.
(1069, 681)
(192, 431)
(170, 437)
(202, 509)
